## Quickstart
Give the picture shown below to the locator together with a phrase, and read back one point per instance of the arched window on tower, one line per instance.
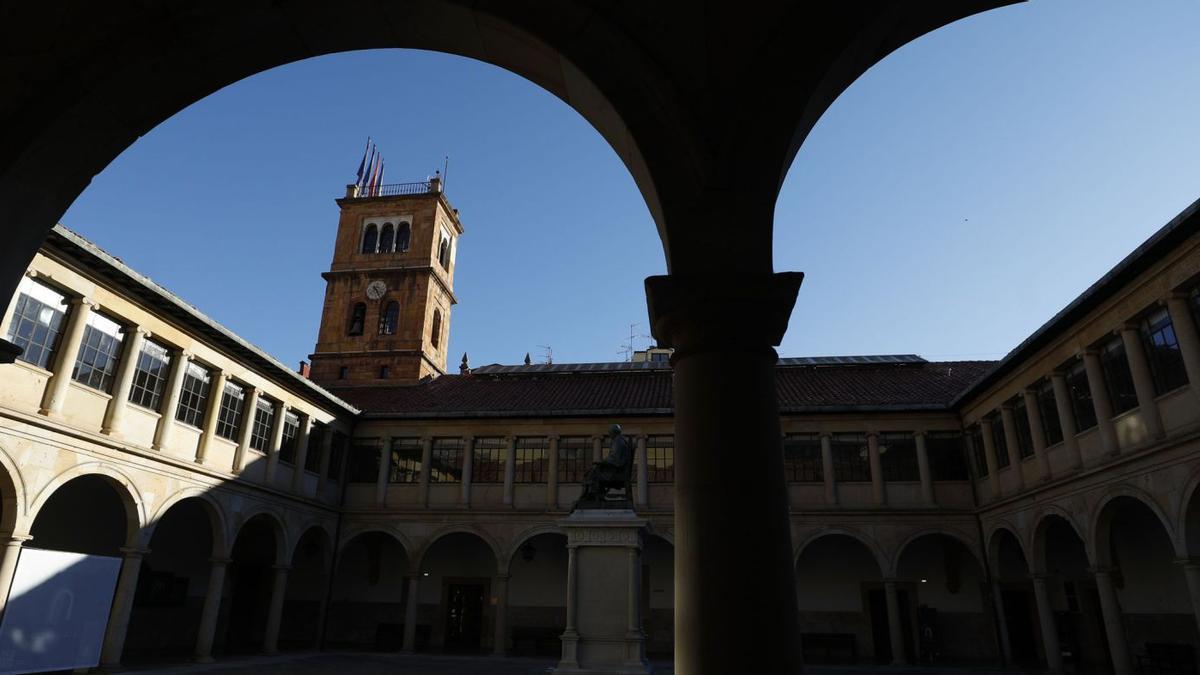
(389, 318)
(370, 236)
(435, 333)
(444, 253)
(357, 318)
(403, 237)
(386, 236)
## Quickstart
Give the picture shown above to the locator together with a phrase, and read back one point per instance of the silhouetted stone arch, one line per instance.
(1099, 527)
(861, 537)
(87, 477)
(13, 515)
(214, 509)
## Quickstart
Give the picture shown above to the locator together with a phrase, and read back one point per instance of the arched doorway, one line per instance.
(307, 588)
(370, 594)
(1059, 553)
(950, 623)
(462, 594)
(537, 595)
(173, 582)
(836, 575)
(1152, 613)
(1012, 594)
(250, 585)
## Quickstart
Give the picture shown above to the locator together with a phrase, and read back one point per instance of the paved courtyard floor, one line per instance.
(355, 663)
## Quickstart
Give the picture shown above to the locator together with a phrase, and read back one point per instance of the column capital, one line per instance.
(552, 437)
(871, 434)
(1128, 327)
(1188, 563)
(281, 568)
(890, 581)
(133, 552)
(685, 310)
(185, 355)
(920, 433)
(83, 301)
(1104, 571)
(17, 539)
(1177, 294)
(1040, 576)
(1088, 351)
(825, 434)
(136, 329)
(219, 562)
(503, 576)
(1007, 406)
(1058, 373)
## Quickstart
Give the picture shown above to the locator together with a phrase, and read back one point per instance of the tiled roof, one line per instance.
(910, 386)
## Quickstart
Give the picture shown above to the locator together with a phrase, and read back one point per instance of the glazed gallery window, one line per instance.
(1048, 405)
(978, 450)
(1117, 376)
(999, 441)
(260, 431)
(337, 454)
(363, 463)
(358, 318)
(574, 458)
(802, 458)
(99, 353)
(660, 459)
(37, 322)
(446, 463)
(287, 444)
(947, 461)
(532, 455)
(150, 376)
(312, 460)
(229, 417)
(405, 459)
(1162, 350)
(1024, 433)
(488, 464)
(850, 461)
(1081, 397)
(898, 456)
(389, 318)
(193, 395)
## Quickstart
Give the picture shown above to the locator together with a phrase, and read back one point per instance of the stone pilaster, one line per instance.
(878, 494)
(382, 471)
(65, 356)
(827, 469)
(8, 566)
(278, 418)
(211, 610)
(410, 611)
(302, 437)
(1188, 337)
(1050, 644)
(1113, 625)
(552, 475)
(275, 609)
(989, 455)
(166, 421)
(426, 470)
(468, 469)
(1066, 418)
(1012, 444)
(1037, 432)
(1101, 401)
(895, 626)
(923, 469)
(131, 351)
(122, 606)
(1143, 380)
(510, 469)
(500, 625)
(249, 406)
(643, 473)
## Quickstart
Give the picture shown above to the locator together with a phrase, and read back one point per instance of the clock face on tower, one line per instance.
(376, 289)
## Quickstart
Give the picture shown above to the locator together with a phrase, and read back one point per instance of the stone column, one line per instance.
(1143, 379)
(510, 469)
(726, 397)
(8, 566)
(923, 469)
(570, 636)
(1187, 335)
(302, 436)
(1037, 431)
(249, 406)
(122, 605)
(827, 469)
(383, 469)
(275, 611)
(209, 424)
(280, 412)
(643, 473)
(212, 609)
(468, 469)
(633, 600)
(1191, 572)
(1100, 401)
(500, 590)
(1117, 646)
(1066, 418)
(410, 612)
(326, 457)
(426, 470)
(597, 448)
(552, 478)
(1001, 623)
(895, 627)
(166, 421)
(1054, 660)
(989, 456)
(131, 350)
(1012, 445)
(877, 491)
(65, 356)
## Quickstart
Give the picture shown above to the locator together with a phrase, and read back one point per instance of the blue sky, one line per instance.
(950, 202)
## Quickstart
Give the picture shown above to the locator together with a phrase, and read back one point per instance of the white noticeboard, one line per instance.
(57, 611)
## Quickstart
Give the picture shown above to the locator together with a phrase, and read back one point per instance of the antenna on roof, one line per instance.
(445, 171)
(548, 354)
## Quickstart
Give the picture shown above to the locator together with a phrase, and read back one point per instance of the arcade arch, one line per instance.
(837, 577)
(945, 618)
(370, 595)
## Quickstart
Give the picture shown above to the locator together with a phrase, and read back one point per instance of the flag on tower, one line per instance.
(362, 165)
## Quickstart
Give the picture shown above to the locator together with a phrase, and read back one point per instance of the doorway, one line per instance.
(464, 617)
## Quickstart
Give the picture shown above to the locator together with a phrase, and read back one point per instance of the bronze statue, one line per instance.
(611, 473)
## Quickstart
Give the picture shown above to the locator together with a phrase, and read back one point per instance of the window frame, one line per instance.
(489, 469)
(358, 320)
(369, 243)
(42, 337)
(1052, 432)
(1161, 343)
(1118, 376)
(531, 457)
(1082, 405)
(574, 458)
(660, 458)
(802, 460)
(404, 460)
(446, 459)
(389, 318)
(898, 467)
(231, 417)
(851, 457)
(263, 425)
(100, 352)
(147, 388)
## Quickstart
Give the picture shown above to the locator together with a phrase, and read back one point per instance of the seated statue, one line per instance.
(613, 472)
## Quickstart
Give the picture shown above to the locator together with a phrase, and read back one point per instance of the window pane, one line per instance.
(1024, 434)
(1048, 405)
(574, 458)
(193, 395)
(999, 441)
(1081, 398)
(229, 418)
(1162, 350)
(287, 444)
(802, 458)
(405, 459)
(363, 463)
(312, 460)
(532, 460)
(358, 318)
(978, 450)
(898, 456)
(947, 460)
(337, 454)
(1117, 376)
(37, 322)
(660, 459)
(150, 376)
(446, 465)
(264, 418)
(99, 353)
(488, 463)
(850, 458)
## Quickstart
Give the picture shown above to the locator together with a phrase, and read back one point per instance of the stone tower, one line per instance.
(390, 287)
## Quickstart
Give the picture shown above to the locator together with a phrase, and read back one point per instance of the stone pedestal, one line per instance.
(604, 619)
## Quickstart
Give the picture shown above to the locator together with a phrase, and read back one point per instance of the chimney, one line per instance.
(305, 370)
